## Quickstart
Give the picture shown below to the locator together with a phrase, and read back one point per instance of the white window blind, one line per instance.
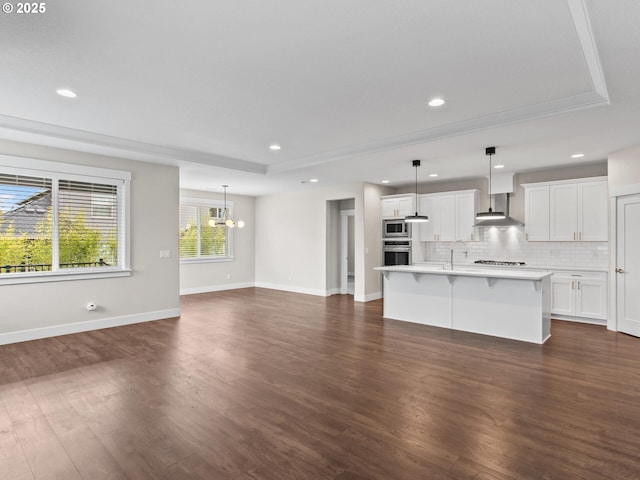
(57, 223)
(87, 224)
(202, 234)
(25, 224)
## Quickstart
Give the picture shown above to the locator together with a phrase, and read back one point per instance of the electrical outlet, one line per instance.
(165, 253)
(228, 276)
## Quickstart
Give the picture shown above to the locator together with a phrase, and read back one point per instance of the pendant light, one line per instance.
(490, 215)
(416, 218)
(228, 220)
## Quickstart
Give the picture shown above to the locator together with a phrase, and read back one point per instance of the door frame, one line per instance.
(614, 193)
(344, 247)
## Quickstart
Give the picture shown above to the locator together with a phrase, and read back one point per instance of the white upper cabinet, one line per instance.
(397, 206)
(451, 216)
(466, 215)
(593, 200)
(568, 210)
(405, 206)
(563, 204)
(536, 213)
(428, 205)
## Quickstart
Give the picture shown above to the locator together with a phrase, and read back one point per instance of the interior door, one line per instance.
(628, 264)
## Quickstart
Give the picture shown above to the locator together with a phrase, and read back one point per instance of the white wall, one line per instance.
(624, 167)
(292, 235)
(151, 292)
(372, 239)
(239, 273)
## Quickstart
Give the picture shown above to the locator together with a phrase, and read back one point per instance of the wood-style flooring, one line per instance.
(260, 384)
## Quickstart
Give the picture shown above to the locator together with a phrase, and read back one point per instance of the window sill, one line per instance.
(188, 261)
(44, 277)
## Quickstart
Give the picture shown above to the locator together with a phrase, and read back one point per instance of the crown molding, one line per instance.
(29, 131)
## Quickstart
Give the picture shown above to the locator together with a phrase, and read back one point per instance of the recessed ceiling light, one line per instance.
(65, 92)
(313, 180)
(275, 147)
(498, 166)
(433, 174)
(436, 102)
(384, 181)
(577, 155)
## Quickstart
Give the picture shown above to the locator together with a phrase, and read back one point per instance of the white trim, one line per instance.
(624, 190)
(210, 202)
(192, 260)
(612, 322)
(293, 289)
(47, 167)
(335, 291)
(368, 298)
(70, 328)
(61, 276)
(566, 182)
(215, 288)
(581, 21)
(568, 318)
(344, 249)
(39, 133)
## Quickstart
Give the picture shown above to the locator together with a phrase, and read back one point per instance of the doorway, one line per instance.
(627, 264)
(347, 251)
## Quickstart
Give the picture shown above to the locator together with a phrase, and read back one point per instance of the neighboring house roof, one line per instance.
(26, 217)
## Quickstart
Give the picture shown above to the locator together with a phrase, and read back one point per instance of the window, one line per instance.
(203, 236)
(56, 223)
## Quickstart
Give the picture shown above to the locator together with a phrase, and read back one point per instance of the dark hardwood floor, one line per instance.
(260, 384)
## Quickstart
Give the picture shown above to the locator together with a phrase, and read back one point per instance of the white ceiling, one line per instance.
(341, 85)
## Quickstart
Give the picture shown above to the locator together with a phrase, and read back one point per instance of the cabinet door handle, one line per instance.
(526, 236)
(573, 285)
(574, 235)
(579, 235)
(578, 285)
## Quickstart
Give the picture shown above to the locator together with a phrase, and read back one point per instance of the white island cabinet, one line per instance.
(501, 303)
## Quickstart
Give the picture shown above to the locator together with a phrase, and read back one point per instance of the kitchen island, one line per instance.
(501, 303)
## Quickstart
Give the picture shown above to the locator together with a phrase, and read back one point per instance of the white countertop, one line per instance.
(483, 273)
(570, 268)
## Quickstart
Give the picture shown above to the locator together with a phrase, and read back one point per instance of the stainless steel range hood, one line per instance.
(501, 204)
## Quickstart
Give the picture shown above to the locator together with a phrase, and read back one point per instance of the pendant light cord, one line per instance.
(489, 182)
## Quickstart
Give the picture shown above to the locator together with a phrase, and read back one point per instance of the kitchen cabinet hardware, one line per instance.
(619, 270)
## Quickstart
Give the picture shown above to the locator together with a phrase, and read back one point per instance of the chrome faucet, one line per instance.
(453, 244)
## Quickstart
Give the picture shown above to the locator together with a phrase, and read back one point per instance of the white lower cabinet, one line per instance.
(582, 295)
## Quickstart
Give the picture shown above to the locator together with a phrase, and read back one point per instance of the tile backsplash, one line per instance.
(509, 244)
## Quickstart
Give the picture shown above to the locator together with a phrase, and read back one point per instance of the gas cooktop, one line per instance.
(499, 262)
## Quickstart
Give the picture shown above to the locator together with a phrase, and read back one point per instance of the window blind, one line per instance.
(202, 234)
(87, 224)
(25, 224)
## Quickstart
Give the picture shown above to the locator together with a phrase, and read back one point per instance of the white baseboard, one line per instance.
(69, 328)
(215, 288)
(290, 288)
(333, 291)
(368, 298)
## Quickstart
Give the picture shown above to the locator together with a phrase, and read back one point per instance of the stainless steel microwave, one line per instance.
(393, 228)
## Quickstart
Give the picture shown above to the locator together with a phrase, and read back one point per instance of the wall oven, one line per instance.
(396, 252)
(393, 228)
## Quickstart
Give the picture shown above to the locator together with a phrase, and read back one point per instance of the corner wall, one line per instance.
(40, 310)
(292, 234)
